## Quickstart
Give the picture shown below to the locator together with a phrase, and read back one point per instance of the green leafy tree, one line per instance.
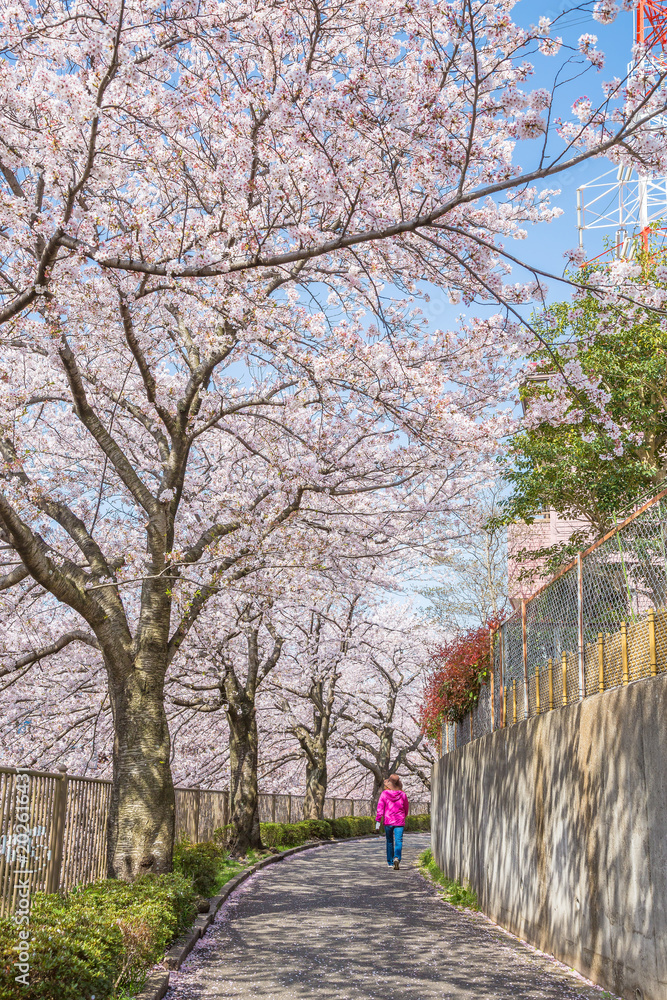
(579, 464)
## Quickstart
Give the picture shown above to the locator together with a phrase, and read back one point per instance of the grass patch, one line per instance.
(228, 868)
(460, 896)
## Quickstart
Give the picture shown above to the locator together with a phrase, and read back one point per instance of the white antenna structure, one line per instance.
(619, 200)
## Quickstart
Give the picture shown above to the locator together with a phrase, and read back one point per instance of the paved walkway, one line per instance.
(336, 924)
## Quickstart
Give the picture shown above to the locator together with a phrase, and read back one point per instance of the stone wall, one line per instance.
(560, 825)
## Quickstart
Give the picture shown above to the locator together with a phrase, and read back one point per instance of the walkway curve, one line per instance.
(335, 923)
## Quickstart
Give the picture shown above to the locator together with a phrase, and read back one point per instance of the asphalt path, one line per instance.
(335, 923)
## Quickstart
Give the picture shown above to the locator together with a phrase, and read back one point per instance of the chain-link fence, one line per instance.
(600, 623)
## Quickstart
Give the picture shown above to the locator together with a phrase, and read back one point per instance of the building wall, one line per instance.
(560, 825)
(525, 577)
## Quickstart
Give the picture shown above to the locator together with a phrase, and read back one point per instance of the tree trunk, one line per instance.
(316, 790)
(383, 769)
(243, 793)
(378, 786)
(140, 825)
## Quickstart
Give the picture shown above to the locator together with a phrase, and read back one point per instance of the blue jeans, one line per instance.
(394, 835)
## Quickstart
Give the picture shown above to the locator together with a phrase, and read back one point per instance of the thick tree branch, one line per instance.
(39, 654)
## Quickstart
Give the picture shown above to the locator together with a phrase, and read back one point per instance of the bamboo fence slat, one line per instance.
(78, 847)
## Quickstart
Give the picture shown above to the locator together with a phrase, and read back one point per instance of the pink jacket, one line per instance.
(393, 807)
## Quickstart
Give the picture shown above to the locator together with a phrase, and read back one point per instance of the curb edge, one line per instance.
(157, 982)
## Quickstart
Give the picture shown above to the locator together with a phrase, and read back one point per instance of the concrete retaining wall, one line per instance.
(560, 825)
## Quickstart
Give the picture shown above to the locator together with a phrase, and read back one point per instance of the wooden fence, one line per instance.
(53, 826)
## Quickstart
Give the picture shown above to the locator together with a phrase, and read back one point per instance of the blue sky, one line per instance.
(546, 244)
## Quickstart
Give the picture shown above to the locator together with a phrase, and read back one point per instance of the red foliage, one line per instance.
(459, 668)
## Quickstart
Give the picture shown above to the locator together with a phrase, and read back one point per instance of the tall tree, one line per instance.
(384, 735)
(151, 486)
(233, 666)
(594, 436)
(184, 143)
(188, 185)
(474, 569)
(307, 695)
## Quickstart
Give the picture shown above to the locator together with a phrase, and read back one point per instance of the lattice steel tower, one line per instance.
(619, 200)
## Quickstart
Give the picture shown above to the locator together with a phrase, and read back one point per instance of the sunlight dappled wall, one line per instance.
(560, 825)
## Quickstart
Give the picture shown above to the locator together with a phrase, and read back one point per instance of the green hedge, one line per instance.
(293, 834)
(98, 940)
(353, 826)
(417, 823)
(200, 863)
(320, 829)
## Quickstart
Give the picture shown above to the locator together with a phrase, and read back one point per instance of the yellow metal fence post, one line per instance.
(537, 692)
(514, 700)
(580, 628)
(624, 652)
(651, 643)
(600, 661)
(550, 676)
(564, 677)
(501, 680)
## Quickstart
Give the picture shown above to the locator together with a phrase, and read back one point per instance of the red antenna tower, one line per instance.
(637, 201)
(651, 24)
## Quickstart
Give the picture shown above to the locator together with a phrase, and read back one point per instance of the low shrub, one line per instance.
(462, 896)
(221, 835)
(201, 863)
(319, 829)
(294, 834)
(460, 667)
(99, 940)
(417, 823)
(342, 827)
(283, 834)
(361, 825)
(353, 826)
(303, 830)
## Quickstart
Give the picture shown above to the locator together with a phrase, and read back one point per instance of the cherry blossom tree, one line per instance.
(384, 734)
(233, 663)
(207, 215)
(348, 143)
(144, 471)
(306, 689)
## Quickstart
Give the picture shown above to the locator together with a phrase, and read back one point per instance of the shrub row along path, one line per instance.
(335, 923)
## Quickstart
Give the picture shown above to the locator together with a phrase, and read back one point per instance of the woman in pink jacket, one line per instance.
(393, 808)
